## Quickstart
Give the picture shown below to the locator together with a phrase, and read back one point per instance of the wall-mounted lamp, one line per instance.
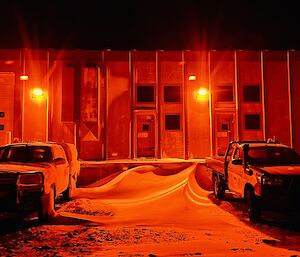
(23, 77)
(38, 93)
(192, 77)
(201, 93)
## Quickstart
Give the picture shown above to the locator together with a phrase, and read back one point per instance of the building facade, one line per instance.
(152, 104)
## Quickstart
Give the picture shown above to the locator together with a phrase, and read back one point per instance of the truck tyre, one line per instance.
(68, 194)
(253, 205)
(46, 208)
(218, 186)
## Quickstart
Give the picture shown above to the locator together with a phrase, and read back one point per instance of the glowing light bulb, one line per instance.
(202, 91)
(24, 77)
(38, 92)
(192, 77)
(201, 94)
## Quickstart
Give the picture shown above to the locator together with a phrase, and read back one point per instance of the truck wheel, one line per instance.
(46, 208)
(253, 205)
(218, 186)
(67, 195)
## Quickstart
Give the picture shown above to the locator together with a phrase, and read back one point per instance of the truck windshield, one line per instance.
(271, 155)
(26, 154)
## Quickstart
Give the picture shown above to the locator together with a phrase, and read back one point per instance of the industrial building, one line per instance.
(149, 104)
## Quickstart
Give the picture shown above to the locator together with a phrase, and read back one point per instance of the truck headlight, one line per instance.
(31, 178)
(273, 181)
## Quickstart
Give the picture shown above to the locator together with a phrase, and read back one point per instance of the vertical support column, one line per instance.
(210, 104)
(106, 104)
(8, 137)
(157, 100)
(48, 95)
(22, 60)
(184, 102)
(99, 104)
(263, 93)
(131, 86)
(237, 127)
(290, 100)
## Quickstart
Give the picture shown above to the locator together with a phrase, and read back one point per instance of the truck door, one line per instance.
(235, 172)
(62, 170)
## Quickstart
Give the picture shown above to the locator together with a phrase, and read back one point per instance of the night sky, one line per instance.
(149, 25)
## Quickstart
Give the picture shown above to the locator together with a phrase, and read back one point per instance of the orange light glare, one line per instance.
(192, 77)
(201, 94)
(203, 91)
(38, 92)
(9, 62)
(23, 77)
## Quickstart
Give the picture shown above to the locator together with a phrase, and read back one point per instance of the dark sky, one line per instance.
(149, 25)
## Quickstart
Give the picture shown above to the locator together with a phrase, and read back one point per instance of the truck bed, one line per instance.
(215, 163)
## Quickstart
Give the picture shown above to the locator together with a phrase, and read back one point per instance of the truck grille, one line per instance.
(8, 190)
(8, 179)
(294, 187)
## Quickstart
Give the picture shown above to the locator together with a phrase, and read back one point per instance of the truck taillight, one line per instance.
(30, 178)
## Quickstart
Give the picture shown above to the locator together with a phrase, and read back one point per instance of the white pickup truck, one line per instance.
(33, 175)
(265, 173)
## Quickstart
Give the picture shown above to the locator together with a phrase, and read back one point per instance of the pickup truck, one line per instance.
(265, 173)
(33, 175)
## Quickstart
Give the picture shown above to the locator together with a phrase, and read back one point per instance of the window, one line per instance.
(1, 127)
(172, 122)
(224, 93)
(272, 155)
(28, 154)
(252, 93)
(2, 114)
(225, 126)
(172, 94)
(145, 127)
(237, 153)
(145, 94)
(252, 121)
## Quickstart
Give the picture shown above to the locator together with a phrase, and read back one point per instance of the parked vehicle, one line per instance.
(266, 174)
(33, 175)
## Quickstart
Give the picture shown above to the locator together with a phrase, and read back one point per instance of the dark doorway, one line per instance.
(224, 131)
(145, 135)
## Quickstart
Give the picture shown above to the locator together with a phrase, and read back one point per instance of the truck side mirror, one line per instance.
(237, 161)
(248, 171)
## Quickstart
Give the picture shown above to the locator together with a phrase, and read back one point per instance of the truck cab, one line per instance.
(265, 174)
(34, 174)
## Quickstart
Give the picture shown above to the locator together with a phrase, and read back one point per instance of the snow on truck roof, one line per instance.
(259, 143)
(267, 144)
(30, 144)
(44, 144)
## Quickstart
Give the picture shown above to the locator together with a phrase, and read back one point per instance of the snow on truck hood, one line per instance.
(29, 167)
(280, 170)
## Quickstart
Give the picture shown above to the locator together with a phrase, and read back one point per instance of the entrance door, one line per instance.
(224, 131)
(145, 135)
(7, 83)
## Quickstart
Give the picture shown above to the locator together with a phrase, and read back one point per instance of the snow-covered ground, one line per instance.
(146, 212)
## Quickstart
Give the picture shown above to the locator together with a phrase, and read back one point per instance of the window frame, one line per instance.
(165, 122)
(164, 93)
(259, 92)
(137, 102)
(252, 114)
(217, 89)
